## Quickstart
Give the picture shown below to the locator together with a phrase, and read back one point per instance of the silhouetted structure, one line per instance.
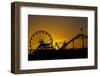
(42, 54)
(46, 51)
(45, 46)
(76, 37)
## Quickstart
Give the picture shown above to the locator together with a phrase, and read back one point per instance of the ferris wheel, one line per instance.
(40, 37)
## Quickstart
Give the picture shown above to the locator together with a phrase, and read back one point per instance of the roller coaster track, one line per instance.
(72, 40)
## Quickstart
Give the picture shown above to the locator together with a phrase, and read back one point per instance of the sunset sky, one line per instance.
(60, 28)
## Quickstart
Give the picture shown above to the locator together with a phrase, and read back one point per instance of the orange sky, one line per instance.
(60, 28)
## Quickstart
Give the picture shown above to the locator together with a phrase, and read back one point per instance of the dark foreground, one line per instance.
(58, 54)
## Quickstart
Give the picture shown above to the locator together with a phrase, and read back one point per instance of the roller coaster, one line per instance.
(79, 36)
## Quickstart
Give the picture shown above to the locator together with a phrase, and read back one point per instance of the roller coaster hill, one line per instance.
(45, 50)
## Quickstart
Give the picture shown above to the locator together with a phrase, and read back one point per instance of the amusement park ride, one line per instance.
(41, 46)
(43, 40)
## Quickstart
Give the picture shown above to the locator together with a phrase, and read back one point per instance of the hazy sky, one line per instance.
(59, 27)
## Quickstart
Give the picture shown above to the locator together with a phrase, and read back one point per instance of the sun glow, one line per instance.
(61, 29)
